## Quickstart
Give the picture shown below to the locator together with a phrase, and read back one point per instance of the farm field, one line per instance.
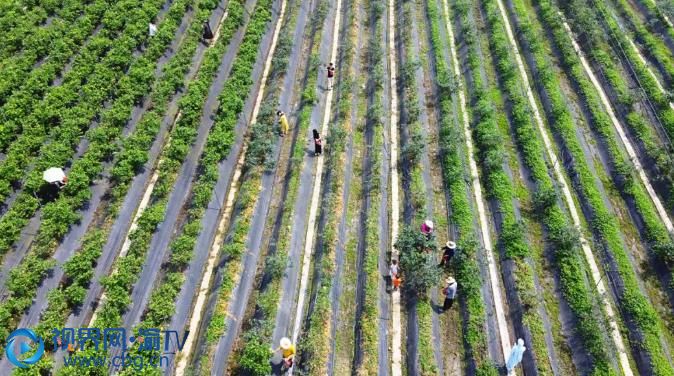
(157, 217)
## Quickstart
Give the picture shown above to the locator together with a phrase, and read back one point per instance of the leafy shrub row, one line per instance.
(636, 308)
(654, 46)
(23, 17)
(52, 46)
(628, 100)
(411, 154)
(219, 142)
(650, 85)
(455, 177)
(120, 283)
(560, 231)
(257, 156)
(253, 356)
(375, 120)
(492, 156)
(68, 123)
(655, 231)
(315, 345)
(76, 278)
(60, 214)
(657, 12)
(37, 107)
(413, 148)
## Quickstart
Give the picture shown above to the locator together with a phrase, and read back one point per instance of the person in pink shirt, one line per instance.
(427, 227)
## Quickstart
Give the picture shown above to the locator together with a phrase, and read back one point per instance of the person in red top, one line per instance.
(427, 228)
(396, 282)
(331, 75)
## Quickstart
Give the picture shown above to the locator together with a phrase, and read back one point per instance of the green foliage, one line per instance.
(235, 243)
(62, 115)
(281, 56)
(275, 266)
(160, 306)
(570, 265)
(628, 100)
(251, 358)
(545, 201)
(61, 213)
(455, 176)
(417, 264)
(254, 359)
(37, 43)
(260, 147)
(129, 266)
(637, 307)
(336, 140)
(315, 345)
(21, 16)
(54, 44)
(370, 313)
(412, 150)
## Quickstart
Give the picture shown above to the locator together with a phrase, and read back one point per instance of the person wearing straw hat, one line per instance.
(448, 252)
(56, 176)
(287, 351)
(450, 293)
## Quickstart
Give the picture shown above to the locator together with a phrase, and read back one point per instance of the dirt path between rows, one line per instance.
(343, 229)
(428, 121)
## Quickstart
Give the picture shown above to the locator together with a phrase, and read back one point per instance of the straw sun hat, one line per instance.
(429, 223)
(285, 343)
(450, 281)
(451, 245)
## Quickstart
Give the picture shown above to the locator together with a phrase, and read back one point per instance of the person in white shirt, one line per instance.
(450, 293)
(393, 269)
(153, 29)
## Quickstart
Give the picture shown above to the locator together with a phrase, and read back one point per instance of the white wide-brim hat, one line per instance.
(53, 175)
(285, 343)
(451, 281)
(451, 245)
(429, 223)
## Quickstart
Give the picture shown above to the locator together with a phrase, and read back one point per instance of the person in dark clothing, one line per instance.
(208, 33)
(447, 253)
(318, 143)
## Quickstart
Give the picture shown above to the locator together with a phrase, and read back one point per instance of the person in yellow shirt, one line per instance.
(287, 352)
(283, 121)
